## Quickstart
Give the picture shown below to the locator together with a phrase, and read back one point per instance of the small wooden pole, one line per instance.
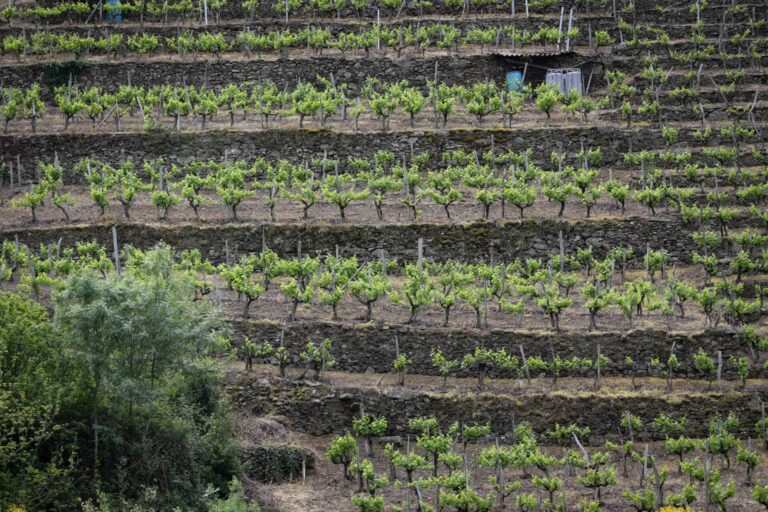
(525, 365)
(597, 363)
(720, 369)
(420, 261)
(116, 249)
(217, 288)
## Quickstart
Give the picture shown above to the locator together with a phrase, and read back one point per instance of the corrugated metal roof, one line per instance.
(522, 54)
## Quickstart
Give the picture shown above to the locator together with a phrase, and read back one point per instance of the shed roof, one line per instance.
(523, 53)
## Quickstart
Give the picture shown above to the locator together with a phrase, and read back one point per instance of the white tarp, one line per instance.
(566, 80)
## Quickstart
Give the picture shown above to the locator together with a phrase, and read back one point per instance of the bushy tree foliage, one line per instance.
(116, 399)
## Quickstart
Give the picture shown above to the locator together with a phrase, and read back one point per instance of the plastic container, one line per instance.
(116, 15)
(515, 81)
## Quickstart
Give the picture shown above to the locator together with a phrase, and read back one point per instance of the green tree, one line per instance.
(234, 502)
(147, 390)
(35, 473)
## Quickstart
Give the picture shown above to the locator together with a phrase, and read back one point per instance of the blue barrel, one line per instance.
(515, 81)
(115, 15)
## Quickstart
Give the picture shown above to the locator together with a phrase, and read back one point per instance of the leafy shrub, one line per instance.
(276, 462)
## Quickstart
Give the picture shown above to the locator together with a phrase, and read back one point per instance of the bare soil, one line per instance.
(254, 210)
(398, 122)
(325, 487)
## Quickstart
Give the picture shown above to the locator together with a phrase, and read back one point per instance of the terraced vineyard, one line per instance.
(440, 290)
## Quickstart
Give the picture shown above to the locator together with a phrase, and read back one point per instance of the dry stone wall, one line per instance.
(371, 348)
(321, 410)
(303, 145)
(452, 70)
(478, 241)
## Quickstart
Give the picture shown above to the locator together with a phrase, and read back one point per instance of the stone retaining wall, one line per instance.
(321, 410)
(478, 241)
(371, 348)
(300, 145)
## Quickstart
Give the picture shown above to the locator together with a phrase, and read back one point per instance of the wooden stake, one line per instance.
(720, 369)
(115, 248)
(420, 260)
(525, 365)
(217, 288)
(581, 447)
(263, 238)
(597, 363)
